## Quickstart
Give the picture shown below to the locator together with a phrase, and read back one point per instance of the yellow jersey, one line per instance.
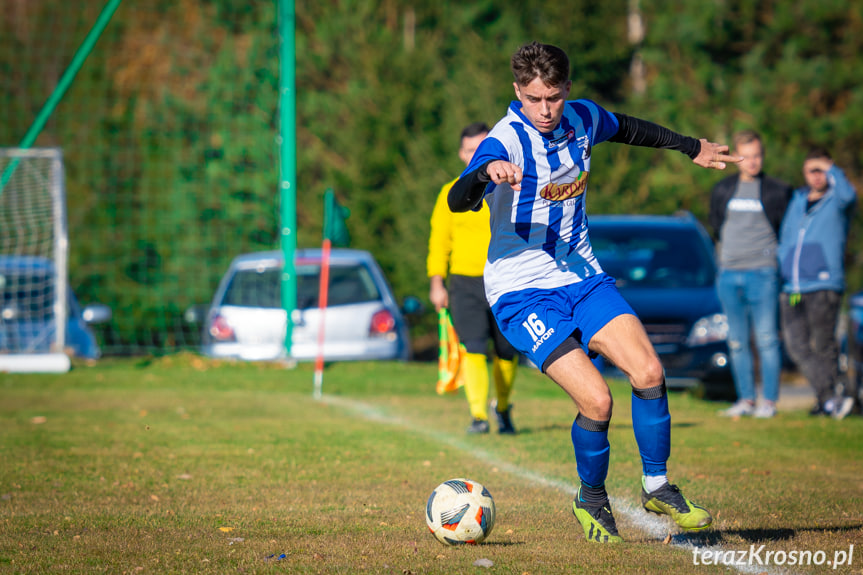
(458, 243)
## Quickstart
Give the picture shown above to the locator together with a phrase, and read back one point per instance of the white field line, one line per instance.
(653, 526)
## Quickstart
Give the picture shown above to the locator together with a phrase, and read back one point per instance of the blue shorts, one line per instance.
(536, 321)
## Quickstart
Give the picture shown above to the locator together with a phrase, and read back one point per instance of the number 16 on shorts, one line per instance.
(537, 330)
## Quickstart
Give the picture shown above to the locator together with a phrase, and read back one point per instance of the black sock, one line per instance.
(594, 496)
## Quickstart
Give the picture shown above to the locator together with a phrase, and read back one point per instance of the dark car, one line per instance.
(853, 347)
(665, 268)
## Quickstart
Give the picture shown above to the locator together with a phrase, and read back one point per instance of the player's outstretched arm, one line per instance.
(638, 132)
(714, 156)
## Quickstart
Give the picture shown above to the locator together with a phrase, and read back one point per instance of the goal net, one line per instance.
(34, 308)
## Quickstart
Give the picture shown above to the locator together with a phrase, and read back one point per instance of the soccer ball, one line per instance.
(460, 511)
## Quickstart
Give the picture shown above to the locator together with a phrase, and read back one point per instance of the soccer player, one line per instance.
(548, 292)
(458, 244)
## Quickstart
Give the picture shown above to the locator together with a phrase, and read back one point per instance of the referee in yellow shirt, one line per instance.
(458, 248)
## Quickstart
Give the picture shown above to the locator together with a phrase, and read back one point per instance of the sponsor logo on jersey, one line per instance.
(584, 143)
(559, 192)
(561, 141)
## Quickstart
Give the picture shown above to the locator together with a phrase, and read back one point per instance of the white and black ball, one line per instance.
(460, 511)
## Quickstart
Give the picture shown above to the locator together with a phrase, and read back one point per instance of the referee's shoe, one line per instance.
(668, 500)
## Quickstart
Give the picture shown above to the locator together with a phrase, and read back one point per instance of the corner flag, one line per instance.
(335, 214)
(335, 234)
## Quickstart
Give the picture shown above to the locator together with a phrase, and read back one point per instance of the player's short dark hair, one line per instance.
(544, 61)
(818, 152)
(474, 129)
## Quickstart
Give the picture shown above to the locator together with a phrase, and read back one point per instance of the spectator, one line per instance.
(457, 249)
(811, 253)
(746, 211)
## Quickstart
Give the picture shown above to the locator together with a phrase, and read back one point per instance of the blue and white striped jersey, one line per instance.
(539, 234)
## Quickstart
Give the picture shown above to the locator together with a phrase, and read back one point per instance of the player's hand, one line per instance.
(502, 172)
(715, 156)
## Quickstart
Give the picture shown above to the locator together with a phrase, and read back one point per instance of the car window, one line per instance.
(348, 285)
(254, 288)
(652, 257)
(26, 297)
(262, 288)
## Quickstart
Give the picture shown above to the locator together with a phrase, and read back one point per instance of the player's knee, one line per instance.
(651, 374)
(598, 406)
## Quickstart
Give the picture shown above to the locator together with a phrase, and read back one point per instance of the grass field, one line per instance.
(181, 465)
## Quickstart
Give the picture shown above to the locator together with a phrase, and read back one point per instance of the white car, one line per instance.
(362, 320)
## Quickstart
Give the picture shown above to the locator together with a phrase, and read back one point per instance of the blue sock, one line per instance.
(590, 441)
(651, 422)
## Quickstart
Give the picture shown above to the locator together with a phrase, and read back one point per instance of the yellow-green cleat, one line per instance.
(668, 500)
(598, 522)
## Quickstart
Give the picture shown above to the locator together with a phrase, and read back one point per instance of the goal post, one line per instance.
(34, 283)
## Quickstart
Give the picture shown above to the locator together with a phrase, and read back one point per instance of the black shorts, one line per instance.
(472, 317)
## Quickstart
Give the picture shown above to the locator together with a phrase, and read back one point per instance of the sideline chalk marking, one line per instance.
(653, 526)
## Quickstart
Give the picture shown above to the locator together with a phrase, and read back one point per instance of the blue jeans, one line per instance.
(750, 300)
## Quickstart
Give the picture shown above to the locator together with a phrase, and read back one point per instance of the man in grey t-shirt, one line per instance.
(745, 212)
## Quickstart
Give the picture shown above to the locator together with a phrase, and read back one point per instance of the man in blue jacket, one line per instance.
(811, 253)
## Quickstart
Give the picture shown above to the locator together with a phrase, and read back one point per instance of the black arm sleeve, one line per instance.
(637, 132)
(466, 194)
